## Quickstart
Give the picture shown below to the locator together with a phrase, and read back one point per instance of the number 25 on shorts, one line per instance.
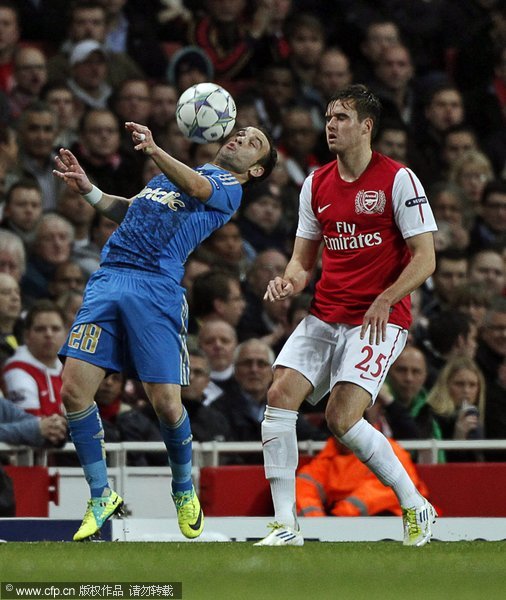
(85, 337)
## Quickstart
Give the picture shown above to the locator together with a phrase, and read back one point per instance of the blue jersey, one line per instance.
(164, 225)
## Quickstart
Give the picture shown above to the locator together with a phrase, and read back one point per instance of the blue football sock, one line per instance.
(178, 440)
(88, 436)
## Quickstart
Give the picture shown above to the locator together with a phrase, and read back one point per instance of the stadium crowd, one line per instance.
(71, 74)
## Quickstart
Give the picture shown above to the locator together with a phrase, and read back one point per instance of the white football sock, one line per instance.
(371, 447)
(281, 456)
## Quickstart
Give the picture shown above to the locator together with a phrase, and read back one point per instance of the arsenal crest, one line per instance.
(370, 202)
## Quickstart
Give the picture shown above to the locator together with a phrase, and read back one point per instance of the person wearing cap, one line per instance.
(88, 74)
(87, 21)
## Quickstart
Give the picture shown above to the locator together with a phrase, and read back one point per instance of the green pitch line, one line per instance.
(239, 571)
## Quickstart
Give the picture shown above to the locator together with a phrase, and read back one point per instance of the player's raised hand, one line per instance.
(278, 289)
(141, 137)
(70, 171)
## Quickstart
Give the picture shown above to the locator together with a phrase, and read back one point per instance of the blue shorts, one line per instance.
(133, 322)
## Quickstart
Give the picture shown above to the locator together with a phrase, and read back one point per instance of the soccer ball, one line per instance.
(205, 113)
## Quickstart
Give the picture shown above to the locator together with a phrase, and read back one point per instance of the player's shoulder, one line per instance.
(383, 162)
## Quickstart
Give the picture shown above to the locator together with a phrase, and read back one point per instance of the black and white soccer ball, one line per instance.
(206, 113)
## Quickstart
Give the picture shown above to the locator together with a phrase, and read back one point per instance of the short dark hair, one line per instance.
(445, 329)
(496, 186)
(26, 183)
(41, 306)
(365, 102)
(268, 160)
(208, 287)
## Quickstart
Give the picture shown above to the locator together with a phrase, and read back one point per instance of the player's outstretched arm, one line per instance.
(70, 171)
(420, 267)
(185, 178)
(297, 273)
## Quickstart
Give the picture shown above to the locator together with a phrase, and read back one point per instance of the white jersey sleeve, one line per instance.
(22, 389)
(308, 226)
(412, 212)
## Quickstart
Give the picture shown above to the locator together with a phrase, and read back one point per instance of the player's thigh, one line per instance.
(309, 351)
(155, 319)
(366, 365)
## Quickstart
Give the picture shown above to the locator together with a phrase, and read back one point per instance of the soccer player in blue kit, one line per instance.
(134, 315)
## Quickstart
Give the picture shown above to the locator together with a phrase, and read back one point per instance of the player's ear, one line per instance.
(256, 171)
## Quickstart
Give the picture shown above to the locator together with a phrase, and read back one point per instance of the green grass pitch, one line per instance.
(239, 571)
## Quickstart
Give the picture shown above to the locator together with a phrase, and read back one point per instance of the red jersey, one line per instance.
(363, 225)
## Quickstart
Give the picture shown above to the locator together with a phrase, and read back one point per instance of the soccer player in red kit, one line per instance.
(375, 223)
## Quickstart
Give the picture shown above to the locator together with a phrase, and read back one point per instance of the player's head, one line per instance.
(249, 153)
(352, 111)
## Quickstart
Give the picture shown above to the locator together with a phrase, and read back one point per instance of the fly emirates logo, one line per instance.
(348, 239)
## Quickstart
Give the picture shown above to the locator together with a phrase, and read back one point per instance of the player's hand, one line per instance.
(376, 321)
(141, 137)
(278, 289)
(70, 171)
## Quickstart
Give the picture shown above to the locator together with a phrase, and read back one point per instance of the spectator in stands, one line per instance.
(88, 74)
(404, 401)
(10, 312)
(201, 154)
(217, 295)
(101, 230)
(87, 21)
(52, 247)
(471, 172)
(80, 214)
(451, 271)
(188, 66)
(67, 276)
(8, 43)
(449, 334)
(62, 100)
(490, 225)
(129, 32)
(245, 407)
(394, 83)
(218, 341)
(228, 251)
(37, 129)
(23, 209)
(457, 140)
(70, 302)
(20, 427)
(491, 358)
(267, 265)
(261, 218)
(448, 204)
(195, 265)
(30, 76)
(12, 255)
(458, 401)
(379, 34)
(298, 144)
(443, 109)
(472, 299)
(98, 152)
(208, 423)
(164, 98)
(487, 268)
(392, 140)
(32, 376)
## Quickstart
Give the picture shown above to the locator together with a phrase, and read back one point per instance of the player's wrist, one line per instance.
(94, 196)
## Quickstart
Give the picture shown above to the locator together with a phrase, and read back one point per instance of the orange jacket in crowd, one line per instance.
(336, 483)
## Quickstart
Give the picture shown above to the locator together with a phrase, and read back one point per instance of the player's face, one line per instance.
(243, 151)
(344, 130)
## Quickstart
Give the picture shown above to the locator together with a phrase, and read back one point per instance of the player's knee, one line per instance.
(72, 397)
(167, 409)
(337, 422)
(278, 397)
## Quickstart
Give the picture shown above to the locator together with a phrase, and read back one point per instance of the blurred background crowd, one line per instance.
(71, 74)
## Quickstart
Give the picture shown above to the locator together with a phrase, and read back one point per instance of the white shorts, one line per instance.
(327, 353)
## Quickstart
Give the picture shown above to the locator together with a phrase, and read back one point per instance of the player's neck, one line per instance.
(353, 163)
